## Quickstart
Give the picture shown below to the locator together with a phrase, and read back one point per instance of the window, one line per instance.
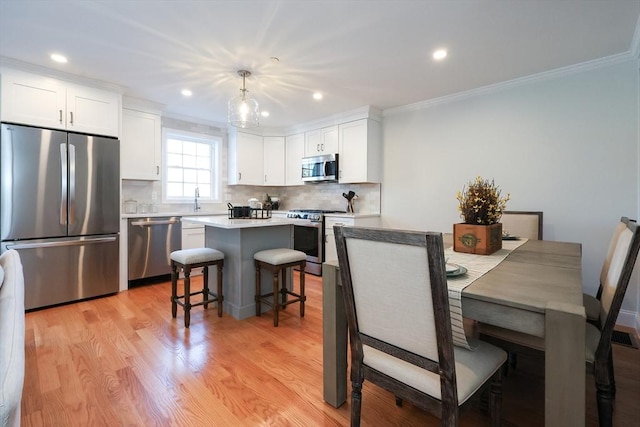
(191, 161)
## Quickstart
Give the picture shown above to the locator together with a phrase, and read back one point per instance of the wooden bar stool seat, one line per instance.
(188, 259)
(277, 261)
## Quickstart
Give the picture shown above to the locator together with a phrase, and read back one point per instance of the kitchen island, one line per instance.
(240, 239)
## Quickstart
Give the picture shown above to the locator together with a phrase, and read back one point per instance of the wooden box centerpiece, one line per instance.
(477, 239)
(481, 207)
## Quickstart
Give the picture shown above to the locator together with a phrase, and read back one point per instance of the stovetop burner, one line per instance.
(310, 214)
(323, 211)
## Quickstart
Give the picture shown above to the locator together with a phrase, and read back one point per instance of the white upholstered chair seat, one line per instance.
(196, 255)
(472, 369)
(279, 256)
(591, 307)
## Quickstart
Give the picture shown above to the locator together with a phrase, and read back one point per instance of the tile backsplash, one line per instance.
(310, 196)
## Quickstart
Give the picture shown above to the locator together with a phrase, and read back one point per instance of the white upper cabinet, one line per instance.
(321, 141)
(274, 158)
(246, 159)
(360, 153)
(294, 152)
(43, 101)
(141, 145)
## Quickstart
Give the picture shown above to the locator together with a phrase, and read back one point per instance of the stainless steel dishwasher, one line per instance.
(150, 242)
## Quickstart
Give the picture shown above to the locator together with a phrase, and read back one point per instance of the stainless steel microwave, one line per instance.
(320, 168)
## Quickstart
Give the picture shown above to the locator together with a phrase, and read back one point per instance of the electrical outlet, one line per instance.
(154, 195)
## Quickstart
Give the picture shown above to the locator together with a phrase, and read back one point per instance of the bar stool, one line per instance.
(276, 261)
(188, 259)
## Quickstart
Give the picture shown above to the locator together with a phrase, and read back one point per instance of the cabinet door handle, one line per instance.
(60, 116)
(317, 147)
(239, 176)
(321, 147)
(71, 117)
(265, 177)
(157, 170)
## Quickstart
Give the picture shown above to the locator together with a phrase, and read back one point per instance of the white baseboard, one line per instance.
(630, 319)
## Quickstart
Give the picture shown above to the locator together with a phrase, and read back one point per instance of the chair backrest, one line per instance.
(396, 299)
(526, 224)
(622, 225)
(614, 286)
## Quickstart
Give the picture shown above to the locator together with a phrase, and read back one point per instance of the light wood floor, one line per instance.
(123, 361)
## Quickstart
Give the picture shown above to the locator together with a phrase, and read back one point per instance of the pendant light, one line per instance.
(243, 110)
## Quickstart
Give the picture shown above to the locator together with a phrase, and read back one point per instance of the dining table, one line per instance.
(536, 289)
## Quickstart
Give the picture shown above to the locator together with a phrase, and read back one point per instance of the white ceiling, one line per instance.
(356, 52)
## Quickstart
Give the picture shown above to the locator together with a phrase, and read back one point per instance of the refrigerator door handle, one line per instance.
(63, 184)
(72, 184)
(61, 243)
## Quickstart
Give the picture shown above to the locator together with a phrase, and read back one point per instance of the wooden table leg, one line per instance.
(334, 338)
(564, 365)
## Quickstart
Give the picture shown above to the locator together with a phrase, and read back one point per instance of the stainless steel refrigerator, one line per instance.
(59, 208)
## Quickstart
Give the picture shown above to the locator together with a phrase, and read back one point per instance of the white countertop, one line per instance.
(183, 214)
(223, 221)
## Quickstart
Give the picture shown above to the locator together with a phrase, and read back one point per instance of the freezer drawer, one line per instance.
(69, 269)
(150, 243)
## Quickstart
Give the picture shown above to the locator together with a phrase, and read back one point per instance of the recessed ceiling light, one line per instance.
(59, 58)
(186, 92)
(264, 113)
(317, 96)
(440, 54)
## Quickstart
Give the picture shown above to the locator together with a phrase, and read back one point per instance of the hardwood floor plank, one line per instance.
(124, 361)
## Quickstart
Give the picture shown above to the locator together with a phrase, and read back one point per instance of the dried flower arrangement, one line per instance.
(480, 202)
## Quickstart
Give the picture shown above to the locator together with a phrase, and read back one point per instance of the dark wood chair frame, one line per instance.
(536, 213)
(602, 366)
(271, 298)
(447, 409)
(184, 300)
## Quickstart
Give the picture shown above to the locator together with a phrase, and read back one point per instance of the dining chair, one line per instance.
(592, 303)
(527, 224)
(598, 353)
(12, 337)
(397, 308)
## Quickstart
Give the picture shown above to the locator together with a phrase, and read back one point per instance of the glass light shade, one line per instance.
(244, 112)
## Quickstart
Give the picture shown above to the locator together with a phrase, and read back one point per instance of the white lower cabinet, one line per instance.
(192, 237)
(330, 252)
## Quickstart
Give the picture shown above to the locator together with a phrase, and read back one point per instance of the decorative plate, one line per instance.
(457, 272)
(510, 237)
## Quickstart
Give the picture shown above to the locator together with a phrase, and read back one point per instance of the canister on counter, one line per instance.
(130, 206)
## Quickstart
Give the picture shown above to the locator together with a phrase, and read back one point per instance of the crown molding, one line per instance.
(15, 64)
(366, 112)
(509, 84)
(140, 104)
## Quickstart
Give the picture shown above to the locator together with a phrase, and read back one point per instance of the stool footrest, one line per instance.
(178, 299)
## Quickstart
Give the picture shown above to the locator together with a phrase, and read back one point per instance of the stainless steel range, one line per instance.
(308, 236)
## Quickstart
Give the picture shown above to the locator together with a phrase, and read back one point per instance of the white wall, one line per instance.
(566, 145)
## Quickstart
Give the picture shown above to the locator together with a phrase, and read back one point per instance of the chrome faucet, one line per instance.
(197, 206)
